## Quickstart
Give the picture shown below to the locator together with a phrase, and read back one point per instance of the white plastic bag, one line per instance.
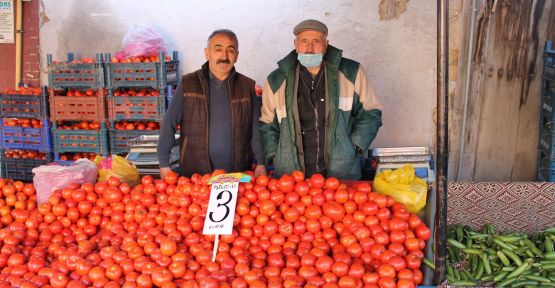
(51, 177)
(142, 40)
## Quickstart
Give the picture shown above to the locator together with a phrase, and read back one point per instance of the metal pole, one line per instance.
(442, 139)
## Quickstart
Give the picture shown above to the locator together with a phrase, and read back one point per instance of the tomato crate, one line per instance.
(119, 138)
(95, 141)
(21, 168)
(26, 138)
(150, 108)
(24, 106)
(90, 108)
(63, 75)
(143, 74)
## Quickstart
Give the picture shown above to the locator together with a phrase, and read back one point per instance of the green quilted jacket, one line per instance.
(353, 116)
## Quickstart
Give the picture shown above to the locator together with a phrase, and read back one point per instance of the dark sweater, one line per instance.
(174, 115)
(219, 130)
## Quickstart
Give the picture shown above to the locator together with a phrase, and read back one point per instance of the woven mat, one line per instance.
(526, 207)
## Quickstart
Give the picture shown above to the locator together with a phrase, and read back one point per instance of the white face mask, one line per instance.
(310, 60)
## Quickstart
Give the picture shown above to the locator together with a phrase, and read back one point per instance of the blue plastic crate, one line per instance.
(24, 106)
(20, 168)
(119, 138)
(95, 141)
(150, 108)
(150, 74)
(64, 75)
(545, 171)
(549, 61)
(16, 137)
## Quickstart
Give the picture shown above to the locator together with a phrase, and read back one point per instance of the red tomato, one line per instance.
(297, 175)
(386, 271)
(412, 261)
(286, 183)
(423, 232)
(331, 183)
(333, 210)
(317, 181)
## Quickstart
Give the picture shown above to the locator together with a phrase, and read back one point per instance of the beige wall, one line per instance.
(394, 39)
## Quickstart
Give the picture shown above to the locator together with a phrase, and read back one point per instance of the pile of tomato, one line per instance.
(74, 156)
(137, 125)
(24, 91)
(78, 125)
(23, 122)
(133, 92)
(288, 232)
(24, 154)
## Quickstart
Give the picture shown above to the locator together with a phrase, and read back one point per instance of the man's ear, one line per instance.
(206, 53)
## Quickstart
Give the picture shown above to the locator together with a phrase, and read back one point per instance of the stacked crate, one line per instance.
(139, 89)
(546, 146)
(77, 92)
(24, 132)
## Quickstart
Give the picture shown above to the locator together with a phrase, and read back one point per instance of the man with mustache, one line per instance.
(217, 110)
(319, 112)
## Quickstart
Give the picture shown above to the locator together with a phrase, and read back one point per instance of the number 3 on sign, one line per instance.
(221, 208)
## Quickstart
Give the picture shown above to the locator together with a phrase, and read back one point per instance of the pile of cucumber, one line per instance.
(507, 259)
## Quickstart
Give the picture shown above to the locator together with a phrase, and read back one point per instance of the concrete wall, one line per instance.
(394, 39)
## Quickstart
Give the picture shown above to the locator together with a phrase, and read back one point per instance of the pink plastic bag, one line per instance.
(51, 177)
(142, 40)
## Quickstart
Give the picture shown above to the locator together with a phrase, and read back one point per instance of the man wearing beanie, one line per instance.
(319, 112)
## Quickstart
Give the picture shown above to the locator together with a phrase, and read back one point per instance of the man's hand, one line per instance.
(259, 170)
(164, 171)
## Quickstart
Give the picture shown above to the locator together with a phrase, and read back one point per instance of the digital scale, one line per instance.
(143, 154)
(393, 158)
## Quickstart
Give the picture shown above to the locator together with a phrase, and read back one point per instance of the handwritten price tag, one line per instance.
(221, 208)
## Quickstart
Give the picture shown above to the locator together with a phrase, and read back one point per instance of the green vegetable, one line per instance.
(485, 261)
(472, 251)
(463, 283)
(513, 257)
(502, 244)
(503, 258)
(520, 269)
(429, 263)
(456, 243)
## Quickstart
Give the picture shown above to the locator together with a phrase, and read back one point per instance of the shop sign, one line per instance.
(7, 21)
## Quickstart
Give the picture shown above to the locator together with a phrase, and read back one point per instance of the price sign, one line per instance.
(221, 208)
(7, 21)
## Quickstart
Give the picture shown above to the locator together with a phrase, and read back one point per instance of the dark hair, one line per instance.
(226, 32)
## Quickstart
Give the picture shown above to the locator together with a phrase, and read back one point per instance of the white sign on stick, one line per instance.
(221, 208)
(7, 21)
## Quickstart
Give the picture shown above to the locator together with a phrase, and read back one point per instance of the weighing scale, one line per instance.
(143, 154)
(393, 158)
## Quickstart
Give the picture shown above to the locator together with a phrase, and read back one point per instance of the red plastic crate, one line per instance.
(90, 108)
(149, 108)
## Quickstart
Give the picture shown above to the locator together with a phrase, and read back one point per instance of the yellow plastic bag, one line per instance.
(119, 167)
(403, 186)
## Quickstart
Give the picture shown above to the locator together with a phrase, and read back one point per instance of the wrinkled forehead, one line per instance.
(222, 40)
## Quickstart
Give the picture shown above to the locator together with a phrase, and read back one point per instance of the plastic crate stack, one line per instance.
(140, 89)
(546, 146)
(24, 132)
(77, 92)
